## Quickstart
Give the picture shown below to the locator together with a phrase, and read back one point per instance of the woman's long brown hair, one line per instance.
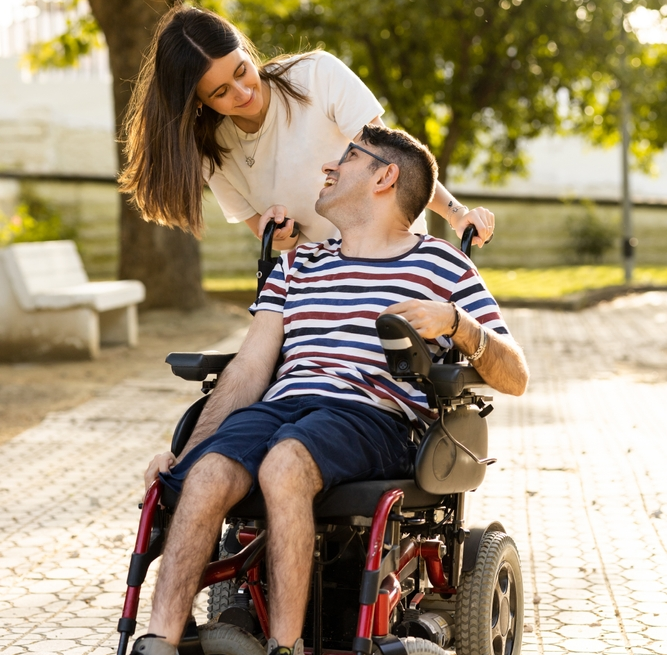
(166, 143)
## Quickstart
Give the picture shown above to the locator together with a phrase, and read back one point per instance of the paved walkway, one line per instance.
(580, 484)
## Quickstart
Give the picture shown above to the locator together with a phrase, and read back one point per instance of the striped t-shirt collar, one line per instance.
(382, 259)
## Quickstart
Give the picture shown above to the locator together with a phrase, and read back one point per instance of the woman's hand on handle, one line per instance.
(458, 215)
(161, 463)
(282, 237)
(481, 218)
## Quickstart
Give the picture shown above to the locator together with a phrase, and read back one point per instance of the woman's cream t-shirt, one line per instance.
(290, 154)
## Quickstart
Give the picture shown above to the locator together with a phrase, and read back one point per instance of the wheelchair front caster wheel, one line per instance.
(419, 646)
(224, 639)
(220, 594)
(489, 601)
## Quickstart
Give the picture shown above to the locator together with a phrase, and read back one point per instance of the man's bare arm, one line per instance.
(242, 383)
(246, 377)
(503, 365)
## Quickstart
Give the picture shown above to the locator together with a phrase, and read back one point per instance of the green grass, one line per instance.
(516, 283)
(564, 280)
(222, 284)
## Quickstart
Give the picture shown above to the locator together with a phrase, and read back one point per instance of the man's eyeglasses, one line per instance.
(355, 146)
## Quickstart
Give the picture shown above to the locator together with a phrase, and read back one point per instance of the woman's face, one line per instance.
(232, 86)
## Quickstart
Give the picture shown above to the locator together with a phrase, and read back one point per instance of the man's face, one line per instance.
(348, 185)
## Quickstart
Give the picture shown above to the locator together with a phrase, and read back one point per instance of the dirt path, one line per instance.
(28, 392)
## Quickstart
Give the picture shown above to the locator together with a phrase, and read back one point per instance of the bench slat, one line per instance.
(101, 296)
(48, 265)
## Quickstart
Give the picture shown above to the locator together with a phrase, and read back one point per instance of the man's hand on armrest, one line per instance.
(502, 365)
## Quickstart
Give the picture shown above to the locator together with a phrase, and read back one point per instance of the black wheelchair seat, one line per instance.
(349, 503)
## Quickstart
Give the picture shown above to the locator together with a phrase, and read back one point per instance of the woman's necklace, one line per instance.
(251, 159)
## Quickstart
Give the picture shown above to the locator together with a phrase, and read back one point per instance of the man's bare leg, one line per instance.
(289, 479)
(213, 486)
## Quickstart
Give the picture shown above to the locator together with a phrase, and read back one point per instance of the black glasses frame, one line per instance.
(356, 146)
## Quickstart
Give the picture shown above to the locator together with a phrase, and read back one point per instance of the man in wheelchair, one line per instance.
(333, 413)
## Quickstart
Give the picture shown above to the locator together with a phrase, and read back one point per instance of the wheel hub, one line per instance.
(504, 622)
(504, 611)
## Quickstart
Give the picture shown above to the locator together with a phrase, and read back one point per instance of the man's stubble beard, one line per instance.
(343, 213)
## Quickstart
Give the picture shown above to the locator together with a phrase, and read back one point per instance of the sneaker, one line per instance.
(153, 645)
(272, 648)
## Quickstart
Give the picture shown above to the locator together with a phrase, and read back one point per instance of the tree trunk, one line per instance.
(167, 261)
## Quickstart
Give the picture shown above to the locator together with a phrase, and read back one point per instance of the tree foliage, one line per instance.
(33, 220)
(64, 50)
(475, 79)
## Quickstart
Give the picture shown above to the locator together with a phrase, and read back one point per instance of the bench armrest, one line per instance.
(198, 366)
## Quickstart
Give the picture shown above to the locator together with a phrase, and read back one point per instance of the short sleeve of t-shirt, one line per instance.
(274, 292)
(234, 206)
(342, 96)
(472, 295)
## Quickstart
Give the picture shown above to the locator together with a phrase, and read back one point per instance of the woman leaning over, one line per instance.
(206, 110)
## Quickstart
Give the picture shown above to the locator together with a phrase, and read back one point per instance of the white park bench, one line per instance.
(49, 309)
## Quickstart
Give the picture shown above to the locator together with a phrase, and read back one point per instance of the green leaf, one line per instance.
(64, 50)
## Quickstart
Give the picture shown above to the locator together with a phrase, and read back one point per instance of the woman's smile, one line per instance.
(247, 104)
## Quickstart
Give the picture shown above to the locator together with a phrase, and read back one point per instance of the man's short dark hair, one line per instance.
(418, 167)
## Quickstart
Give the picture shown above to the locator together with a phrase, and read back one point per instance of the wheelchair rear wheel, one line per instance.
(489, 602)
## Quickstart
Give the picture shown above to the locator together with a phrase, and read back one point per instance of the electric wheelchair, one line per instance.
(396, 571)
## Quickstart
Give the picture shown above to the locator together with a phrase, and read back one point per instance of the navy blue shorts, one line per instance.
(347, 440)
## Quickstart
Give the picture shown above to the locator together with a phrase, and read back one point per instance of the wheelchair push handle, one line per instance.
(267, 241)
(267, 238)
(266, 262)
(466, 240)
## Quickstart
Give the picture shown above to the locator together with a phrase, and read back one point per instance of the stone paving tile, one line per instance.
(70, 487)
(579, 485)
(582, 455)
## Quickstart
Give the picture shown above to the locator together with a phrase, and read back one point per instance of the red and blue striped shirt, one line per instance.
(330, 302)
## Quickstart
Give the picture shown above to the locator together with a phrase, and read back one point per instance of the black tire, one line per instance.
(225, 639)
(489, 601)
(220, 594)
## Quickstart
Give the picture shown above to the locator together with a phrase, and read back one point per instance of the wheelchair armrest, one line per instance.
(198, 366)
(449, 380)
(408, 358)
